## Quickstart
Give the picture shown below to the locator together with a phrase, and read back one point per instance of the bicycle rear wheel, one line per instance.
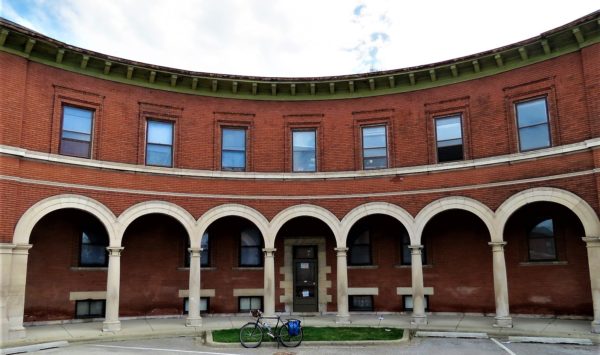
(251, 335)
(287, 340)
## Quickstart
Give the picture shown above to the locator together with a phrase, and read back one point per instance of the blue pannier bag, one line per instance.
(294, 327)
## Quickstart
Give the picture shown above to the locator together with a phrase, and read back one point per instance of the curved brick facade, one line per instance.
(493, 195)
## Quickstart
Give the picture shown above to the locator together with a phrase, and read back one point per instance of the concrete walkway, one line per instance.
(171, 327)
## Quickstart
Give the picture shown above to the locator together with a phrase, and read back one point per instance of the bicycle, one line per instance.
(289, 334)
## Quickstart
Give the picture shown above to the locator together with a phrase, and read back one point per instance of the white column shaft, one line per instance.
(503, 318)
(113, 283)
(343, 316)
(269, 281)
(16, 297)
(194, 319)
(418, 292)
(593, 250)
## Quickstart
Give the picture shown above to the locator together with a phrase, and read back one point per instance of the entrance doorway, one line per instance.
(305, 278)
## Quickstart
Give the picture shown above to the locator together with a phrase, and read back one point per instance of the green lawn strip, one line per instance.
(321, 334)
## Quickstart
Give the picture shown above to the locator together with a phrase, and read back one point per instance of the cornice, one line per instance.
(210, 174)
(36, 47)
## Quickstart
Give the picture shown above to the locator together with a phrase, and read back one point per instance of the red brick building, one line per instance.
(132, 190)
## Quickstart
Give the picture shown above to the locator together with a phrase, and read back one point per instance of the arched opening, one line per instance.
(153, 272)
(544, 249)
(68, 265)
(305, 266)
(379, 265)
(457, 269)
(232, 268)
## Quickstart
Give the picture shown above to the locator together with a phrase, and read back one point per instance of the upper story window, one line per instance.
(76, 135)
(448, 132)
(159, 143)
(304, 150)
(233, 149)
(532, 120)
(374, 142)
(93, 247)
(251, 247)
(359, 244)
(541, 241)
(406, 258)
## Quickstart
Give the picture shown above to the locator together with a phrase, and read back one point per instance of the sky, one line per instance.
(291, 38)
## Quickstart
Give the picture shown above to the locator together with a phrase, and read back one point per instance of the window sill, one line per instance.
(402, 266)
(543, 263)
(89, 268)
(365, 267)
(247, 268)
(202, 268)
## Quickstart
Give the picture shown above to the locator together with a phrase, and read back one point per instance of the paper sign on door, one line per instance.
(304, 293)
(304, 265)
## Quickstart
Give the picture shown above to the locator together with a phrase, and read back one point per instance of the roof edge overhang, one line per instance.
(21, 41)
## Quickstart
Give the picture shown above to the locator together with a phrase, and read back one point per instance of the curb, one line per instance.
(405, 339)
(550, 340)
(465, 335)
(34, 347)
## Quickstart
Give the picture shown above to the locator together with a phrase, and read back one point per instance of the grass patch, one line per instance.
(321, 334)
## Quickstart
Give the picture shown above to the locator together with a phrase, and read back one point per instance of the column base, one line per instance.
(418, 320)
(17, 333)
(596, 327)
(111, 326)
(342, 319)
(503, 322)
(193, 322)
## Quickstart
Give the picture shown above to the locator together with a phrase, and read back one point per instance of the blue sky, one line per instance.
(289, 37)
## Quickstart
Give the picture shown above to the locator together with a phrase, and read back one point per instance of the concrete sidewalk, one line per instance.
(172, 327)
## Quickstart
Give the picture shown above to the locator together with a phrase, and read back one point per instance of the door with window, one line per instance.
(305, 279)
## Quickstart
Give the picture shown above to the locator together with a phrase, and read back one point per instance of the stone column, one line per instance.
(5, 266)
(503, 318)
(16, 293)
(342, 286)
(113, 283)
(593, 250)
(269, 283)
(194, 319)
(418, 293)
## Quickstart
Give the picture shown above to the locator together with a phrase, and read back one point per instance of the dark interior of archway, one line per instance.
(53, 268)
(459, 263)
(537, 279)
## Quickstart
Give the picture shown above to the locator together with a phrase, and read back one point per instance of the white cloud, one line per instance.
(292, 38)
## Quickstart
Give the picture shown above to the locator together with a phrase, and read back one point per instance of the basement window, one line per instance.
(90, 308)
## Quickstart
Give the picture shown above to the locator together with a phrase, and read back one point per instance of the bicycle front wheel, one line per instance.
(287, 340)
(251, 335)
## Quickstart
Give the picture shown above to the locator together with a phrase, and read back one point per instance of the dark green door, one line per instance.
(305, 279)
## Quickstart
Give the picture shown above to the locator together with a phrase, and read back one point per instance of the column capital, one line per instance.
(114, 251)
(341, 251)
(415, 249)
(22, 249)
(269, 252)
(6, 248)
(592, 242)
(497, 246)
(195, 252)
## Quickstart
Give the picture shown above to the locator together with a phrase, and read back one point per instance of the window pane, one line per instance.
(234, 139)
(360, 255)
(93, 255)
(361, 303)
(375, 152)
(82, 308)
(375, 163)
(305, 161)
(75, 148)
(450, 153)
(77, 120)
(205, 253)
(158, 155)
(203, 304)
(303, 140)
(233, 160)
(448, 128)
(251, 256)
(534, 137)
(186, 305)
(256, 303)
(244, 303)
(374, 137)
(68, 135)
(543, 229)
(97, 308)
(532, 112)
(160, 132)
(542, 249)
(251, 237)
